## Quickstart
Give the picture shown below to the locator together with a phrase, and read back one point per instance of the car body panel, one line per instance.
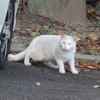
(3, 10)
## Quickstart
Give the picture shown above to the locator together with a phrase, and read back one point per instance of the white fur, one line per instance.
(48, 48)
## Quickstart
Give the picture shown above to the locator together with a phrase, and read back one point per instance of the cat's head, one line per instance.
(68, 42)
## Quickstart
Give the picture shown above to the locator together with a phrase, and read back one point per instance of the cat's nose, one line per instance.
(67, 48)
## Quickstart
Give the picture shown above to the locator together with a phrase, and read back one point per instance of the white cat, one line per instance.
(48, 48)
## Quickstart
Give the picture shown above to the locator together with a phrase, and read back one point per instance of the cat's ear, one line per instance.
(74, 37)
(63, 35)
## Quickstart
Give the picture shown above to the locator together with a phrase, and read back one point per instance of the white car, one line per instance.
(8, 10)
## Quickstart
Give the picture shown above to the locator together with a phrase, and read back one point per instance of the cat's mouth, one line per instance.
(65, 49)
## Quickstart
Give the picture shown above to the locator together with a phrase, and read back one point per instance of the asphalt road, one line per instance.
(18, 82)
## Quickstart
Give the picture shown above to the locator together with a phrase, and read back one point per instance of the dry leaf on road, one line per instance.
(38, 83)
(96, 86)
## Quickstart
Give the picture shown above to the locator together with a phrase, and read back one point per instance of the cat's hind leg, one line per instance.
(35, 55)
(27, 59)
(51, 65)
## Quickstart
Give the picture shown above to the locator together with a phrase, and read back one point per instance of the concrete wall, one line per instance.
(62, 10)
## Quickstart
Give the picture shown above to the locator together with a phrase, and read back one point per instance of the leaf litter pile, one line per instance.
(33, 25)
(89, 45)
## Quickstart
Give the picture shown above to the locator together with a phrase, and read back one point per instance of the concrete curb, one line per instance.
(87, 58)
(78, 56)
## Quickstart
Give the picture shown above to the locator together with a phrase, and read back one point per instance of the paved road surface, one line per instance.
(17, 82)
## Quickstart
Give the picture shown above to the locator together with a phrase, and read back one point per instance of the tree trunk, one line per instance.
(70, 11)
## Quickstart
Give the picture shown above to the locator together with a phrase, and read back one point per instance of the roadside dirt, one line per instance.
(88, 35)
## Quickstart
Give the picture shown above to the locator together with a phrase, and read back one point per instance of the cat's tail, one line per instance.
(18, 57)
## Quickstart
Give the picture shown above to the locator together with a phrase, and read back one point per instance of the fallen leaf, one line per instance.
(93, 37)
(98, 67)
(46, 27)
(87, 70)
(91, 67)
(38, 83)
(93, 28)
(29, 30)
(59, 33)
(47, 70)
(33, 38)
(13, 52)
(14, 38)
(78, 39)
(96, 86)
(90, 10)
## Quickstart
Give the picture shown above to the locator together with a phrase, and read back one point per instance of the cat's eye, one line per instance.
(63, 42)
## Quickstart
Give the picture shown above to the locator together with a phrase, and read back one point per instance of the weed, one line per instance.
(44, 29)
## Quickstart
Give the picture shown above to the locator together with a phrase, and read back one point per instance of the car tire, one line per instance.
(6, 34)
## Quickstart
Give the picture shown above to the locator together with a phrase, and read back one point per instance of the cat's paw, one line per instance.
(28, 64)
(62, 71)
(74, 71)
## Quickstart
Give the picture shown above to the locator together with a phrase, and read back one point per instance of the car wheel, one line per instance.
(6, 34)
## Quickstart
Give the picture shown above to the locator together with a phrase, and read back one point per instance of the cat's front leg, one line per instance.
(72, 66)
(61, 66)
